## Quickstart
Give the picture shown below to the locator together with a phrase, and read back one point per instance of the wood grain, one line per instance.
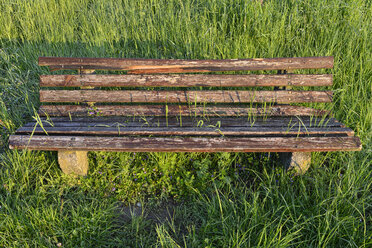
(156, 110)
(187, 121)
(189, 144)
(187, 131)
(58, 63)
(185, 80)
(210, 96)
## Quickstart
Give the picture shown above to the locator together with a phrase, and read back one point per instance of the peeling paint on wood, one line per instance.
(210, 96)
(157, 144)
(185, 80)
(58, 63)
(186, 131)
(187, 121)
(156, 110)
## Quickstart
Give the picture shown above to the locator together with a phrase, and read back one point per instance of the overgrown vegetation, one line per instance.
(222, 199)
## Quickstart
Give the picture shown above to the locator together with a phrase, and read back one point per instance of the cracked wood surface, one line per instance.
(163, 96)
(172, 110)
(180, 65)
(185, 80)
(187, 121)
(189, 144)
(185, 131)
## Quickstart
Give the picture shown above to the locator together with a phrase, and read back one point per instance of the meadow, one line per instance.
(186, 199)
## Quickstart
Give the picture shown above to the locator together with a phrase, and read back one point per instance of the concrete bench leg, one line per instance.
(299, 162)
(73, 162)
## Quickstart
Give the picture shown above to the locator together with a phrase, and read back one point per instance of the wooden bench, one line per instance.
(180, 106)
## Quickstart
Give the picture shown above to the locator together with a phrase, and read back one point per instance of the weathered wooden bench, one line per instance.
(179, 106)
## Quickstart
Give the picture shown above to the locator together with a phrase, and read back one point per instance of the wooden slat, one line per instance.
(156, 110)
(184, 80)
(185, 131)
(170, 70)
(295, 122)
(189, 144)
(210, 96)
(229, 119)
(57, 63)
(239, 120)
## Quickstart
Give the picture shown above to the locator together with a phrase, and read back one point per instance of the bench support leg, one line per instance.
(299, 162)
(73, 162)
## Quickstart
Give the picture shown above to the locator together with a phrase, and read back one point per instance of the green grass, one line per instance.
(222, 199)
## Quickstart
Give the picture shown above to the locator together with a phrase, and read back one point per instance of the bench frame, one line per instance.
(295, 150)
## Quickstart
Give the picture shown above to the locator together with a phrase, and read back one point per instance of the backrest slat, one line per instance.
(210, 96)
(187, 65)
(185, 80)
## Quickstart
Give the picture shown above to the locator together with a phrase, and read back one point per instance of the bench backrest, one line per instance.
(162, 87)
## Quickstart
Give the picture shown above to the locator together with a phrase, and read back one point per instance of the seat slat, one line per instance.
(189, 144)
(187, 122)
(57, 63)
(210, 96)
(185, 131)
(184, 80)
(172, 110)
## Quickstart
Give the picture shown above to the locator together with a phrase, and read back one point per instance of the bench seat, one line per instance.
(230, 134)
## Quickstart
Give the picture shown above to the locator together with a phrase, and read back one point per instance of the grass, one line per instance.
(222, 199)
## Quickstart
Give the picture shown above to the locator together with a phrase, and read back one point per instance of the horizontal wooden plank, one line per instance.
(204, 96)
(171, 70)
(184, 80)
(186, 131)
(189, 144)
(228, 119)
(172, 110)
(185, 121)
(58, 63)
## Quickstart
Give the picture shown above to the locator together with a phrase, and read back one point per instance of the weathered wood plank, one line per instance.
(184, 80)
(189, 144)
(58, 63)
(228, 119)
(210, 96)
(185, 131)
(294, 122)
(172, 110)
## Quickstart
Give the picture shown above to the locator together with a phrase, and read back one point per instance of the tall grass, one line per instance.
(224, 200)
